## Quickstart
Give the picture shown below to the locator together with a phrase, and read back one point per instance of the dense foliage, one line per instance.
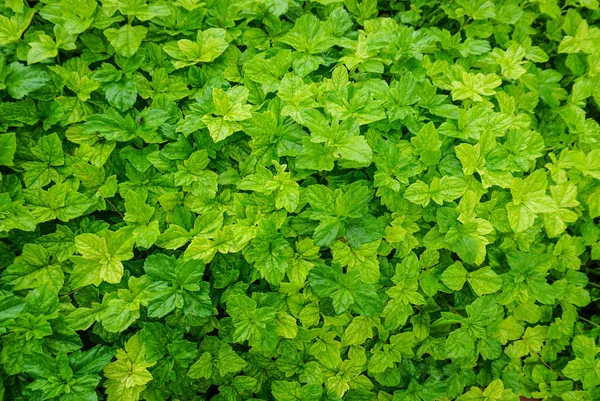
(299, 200)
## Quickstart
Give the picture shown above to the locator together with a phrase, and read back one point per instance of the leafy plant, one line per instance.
(299, 200)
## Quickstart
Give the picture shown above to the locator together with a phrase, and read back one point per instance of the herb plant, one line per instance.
(299, 200)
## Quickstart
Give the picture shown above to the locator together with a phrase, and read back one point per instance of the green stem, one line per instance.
(589, 321)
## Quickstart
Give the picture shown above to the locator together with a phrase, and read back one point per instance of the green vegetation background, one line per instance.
(299, 200)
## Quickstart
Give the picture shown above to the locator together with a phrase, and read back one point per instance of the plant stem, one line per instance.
(589, 321)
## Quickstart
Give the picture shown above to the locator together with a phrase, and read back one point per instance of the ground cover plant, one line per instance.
(299, 200)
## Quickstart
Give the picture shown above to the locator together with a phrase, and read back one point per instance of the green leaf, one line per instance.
(363, 259)
(45, 47)
(474, 86)
(358, 331)
(127, 39)
(8, 146)
(128, 375)
(119, 313)
(101, 257)
(34, 268)
(484, 281)
(176, 284)
(11, 28)
(50, 157)
(584, 367)
(308, 35)
(22, 80)
(230, 108)
(202, 368)
(455, 276)
(293, 391)
(441, 190)
(122, 95)
(209, 45)
(269, 252)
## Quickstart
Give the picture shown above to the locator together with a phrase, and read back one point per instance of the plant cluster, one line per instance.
(291, 200)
